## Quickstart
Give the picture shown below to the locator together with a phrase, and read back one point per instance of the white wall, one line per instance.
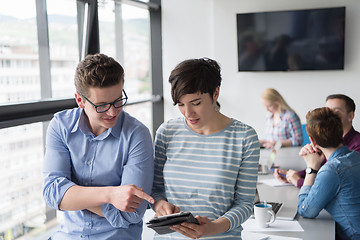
(198, 28)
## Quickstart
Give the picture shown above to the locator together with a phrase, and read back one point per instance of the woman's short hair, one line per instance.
(97, 70)
(194, 75)
(324, 126)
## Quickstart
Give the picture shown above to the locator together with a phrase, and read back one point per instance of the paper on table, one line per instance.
(261, 236)
(277, 226)
(273, 182)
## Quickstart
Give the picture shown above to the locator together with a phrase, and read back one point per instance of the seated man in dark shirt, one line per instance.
(344, 106)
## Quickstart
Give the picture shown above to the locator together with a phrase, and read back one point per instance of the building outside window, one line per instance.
(131, 47)
(18, 52)
(63, 45)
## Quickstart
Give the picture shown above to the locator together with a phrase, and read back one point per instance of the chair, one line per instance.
(305, 135)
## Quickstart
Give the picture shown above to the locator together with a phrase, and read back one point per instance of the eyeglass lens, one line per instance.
(117, 104)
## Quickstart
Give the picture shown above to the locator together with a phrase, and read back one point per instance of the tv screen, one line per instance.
(311, 39)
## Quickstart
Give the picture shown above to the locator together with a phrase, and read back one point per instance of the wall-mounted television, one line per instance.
(310, 39)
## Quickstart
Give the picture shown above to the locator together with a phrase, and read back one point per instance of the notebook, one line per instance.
(281, 210)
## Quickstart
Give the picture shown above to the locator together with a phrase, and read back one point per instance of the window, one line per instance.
(107, 29)
(21, 207)
(128, 41)
(18, 52)
(64, 50)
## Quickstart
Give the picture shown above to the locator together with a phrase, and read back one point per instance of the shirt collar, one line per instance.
(281, 115)
(340, 151)
(81, 124)
(116, 130)
(76, 125)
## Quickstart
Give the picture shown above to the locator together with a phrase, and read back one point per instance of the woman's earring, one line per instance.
(217, 107)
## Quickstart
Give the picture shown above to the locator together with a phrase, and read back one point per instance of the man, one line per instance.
(344, 106)
(99, 162)
(333, 186)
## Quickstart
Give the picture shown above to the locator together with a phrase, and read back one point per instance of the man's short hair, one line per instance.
(194, 75)
(324, 126)
(350, 104)
(97, 70)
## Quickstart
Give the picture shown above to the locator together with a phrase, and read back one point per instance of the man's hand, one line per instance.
(128, 197)
(292, 177)
(280, 174)
(162, 207)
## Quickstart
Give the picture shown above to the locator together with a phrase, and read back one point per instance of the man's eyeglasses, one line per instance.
(106, 106)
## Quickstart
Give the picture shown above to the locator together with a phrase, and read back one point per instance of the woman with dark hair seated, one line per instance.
(334, 186)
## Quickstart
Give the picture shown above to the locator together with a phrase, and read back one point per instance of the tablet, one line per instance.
(162, 224)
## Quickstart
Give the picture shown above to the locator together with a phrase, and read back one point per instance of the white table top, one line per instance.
(286, 158)
(321, 227)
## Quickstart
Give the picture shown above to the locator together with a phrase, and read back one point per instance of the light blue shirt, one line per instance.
(121, 155)
(209, 175)
(336, 188)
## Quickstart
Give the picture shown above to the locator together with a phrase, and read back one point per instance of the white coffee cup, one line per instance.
(264, 215)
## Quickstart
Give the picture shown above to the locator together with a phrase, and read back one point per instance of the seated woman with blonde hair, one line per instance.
(282, 123)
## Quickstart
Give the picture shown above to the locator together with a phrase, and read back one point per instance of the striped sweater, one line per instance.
(209, 175)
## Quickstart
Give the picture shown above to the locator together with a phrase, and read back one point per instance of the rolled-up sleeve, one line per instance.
(138, 170)
(57, 167)
(312, 199)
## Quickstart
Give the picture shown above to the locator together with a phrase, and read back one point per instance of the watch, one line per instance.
(309, 170)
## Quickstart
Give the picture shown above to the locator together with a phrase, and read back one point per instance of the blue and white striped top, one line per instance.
(209, 175)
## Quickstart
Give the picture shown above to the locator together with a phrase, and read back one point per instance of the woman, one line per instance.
(282, 123)
(334, 186)
(206, 162)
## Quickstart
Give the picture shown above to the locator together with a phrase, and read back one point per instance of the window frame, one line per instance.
(36, 111)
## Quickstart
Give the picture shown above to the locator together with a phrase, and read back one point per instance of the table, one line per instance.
(321, 227)
(286, 158)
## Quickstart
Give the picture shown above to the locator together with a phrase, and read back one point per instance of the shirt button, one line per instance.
(89, 162)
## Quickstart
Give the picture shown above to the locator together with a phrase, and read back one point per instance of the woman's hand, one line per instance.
(163, 207)
(308, 149)
(205, 227)
(312, 156)
(192, 230)
(267, 144)
(314, 160)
